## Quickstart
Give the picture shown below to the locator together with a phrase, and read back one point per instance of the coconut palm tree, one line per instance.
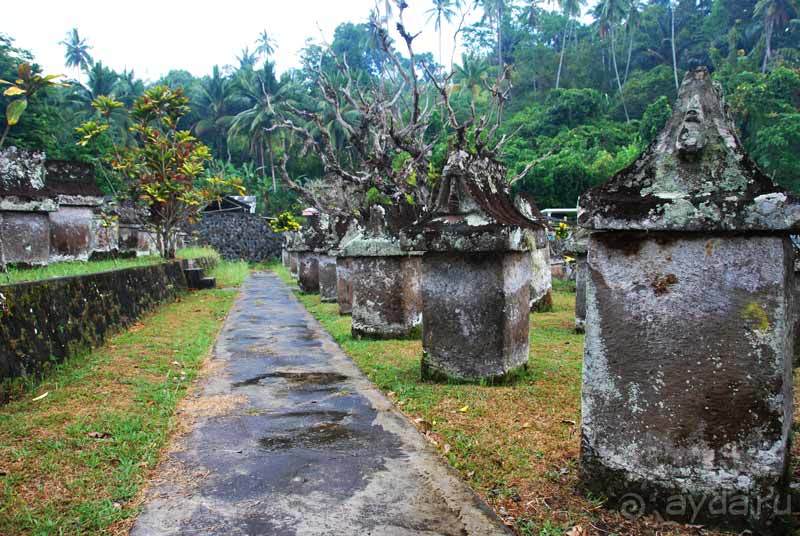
(247, 59)
(632, 22)
(265, 45)
(442, 10)
(471, 75)
(266, 96)
(76, 53)
(570, 9)
(777, 14)
(609, 14)
(213, 102)
(493, 13)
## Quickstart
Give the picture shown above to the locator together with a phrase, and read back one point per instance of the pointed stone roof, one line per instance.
(695, 176)
(475, 211)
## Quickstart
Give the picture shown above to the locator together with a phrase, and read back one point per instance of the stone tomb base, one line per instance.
(30, 231)
(541, 280)
(327, 278)
(476, 308)
(687, 378)
(581, 273)
(344, 284)
(308, 271)
(293, 265)
(387, 303)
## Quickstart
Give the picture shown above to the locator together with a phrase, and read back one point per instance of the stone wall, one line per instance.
(50, 320)
(239, 236)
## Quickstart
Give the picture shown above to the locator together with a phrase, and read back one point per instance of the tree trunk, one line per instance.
(5, 133)
(616, 72)
(3, 266)
(628, 62)
(500, 35)
(272, 169)
(564, 38)
(674, 55)
(768, 44)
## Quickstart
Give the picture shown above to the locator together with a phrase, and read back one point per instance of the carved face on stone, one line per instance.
(691, 136)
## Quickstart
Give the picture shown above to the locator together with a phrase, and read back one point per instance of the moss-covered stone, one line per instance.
(46, 321)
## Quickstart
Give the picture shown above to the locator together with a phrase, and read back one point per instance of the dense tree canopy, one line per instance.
(585, 97)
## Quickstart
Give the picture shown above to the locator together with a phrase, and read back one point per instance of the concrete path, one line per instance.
(287, 437)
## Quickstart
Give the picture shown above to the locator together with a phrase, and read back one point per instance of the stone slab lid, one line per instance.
(377, 239)
(695, 176)
(474, 211)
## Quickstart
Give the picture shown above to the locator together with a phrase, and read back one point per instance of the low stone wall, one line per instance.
(239, 236)
(47, 321)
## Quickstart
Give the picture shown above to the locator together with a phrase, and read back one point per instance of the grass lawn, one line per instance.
(64, 269)
(74, 461)
(517, 445)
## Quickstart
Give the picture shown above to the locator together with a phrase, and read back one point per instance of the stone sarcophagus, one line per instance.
(309, 249)
(541, 274)
(332, 280)
(386, 300)
(687, 378)
(476, 273)
(576, 246)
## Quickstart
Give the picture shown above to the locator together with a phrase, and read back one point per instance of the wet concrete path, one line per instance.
(291, 439)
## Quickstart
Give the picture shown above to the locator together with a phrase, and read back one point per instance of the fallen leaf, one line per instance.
(464, 409)
(577, 530)
(446, 448)
(99, 435)
(425, 425)
(40, 397)
(568, 421)
(526, 425)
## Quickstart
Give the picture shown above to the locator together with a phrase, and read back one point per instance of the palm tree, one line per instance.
(247, 60)
(442, 9)
(471, 75)
(76, 52)
(777, 14)
(101, 81)
(266, 96)
(611, 12)
(632, 23)
(213, 103)
(570, 9)
(265, 45)
(672, 43)
(493, 13)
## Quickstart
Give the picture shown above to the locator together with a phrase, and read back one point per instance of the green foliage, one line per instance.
(28, 84)
(655, 117)
(285, 221)
(376, 197)
(776, 148)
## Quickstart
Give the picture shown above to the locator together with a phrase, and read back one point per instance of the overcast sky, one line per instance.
(154, 36)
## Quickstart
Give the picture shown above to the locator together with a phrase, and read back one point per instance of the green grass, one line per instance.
(230, 274)
(197, 252)
(71, 268)
(516, 444)
(74, 461)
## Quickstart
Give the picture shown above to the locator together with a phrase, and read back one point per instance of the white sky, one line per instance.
(154, 36)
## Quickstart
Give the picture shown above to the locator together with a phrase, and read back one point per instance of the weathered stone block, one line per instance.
(26, 237)
(308, 271)
(541, 279)
(687, 385)
(327, 278)
(475, 310)
(387, 302)
(344, 284)
(70, 233)
(581, 274)
(294, 267)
